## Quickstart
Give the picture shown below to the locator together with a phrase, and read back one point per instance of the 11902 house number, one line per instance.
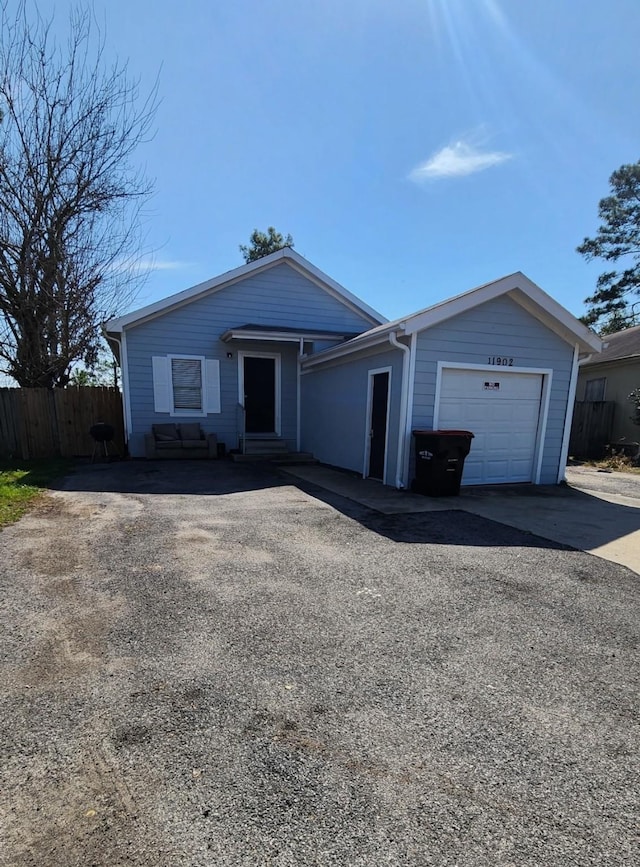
(501, 360)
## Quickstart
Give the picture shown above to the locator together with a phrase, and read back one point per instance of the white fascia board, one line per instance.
(325, 282)
(568, 418)
(295, 261)
(556, 317)
(126, 391)
(345, 349)
(180, 298)
(525, 293)
(281, 336)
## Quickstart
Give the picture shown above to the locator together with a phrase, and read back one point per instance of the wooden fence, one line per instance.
(591, 428)
(42, 423)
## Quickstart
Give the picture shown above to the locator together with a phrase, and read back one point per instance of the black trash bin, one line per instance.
(440, 458)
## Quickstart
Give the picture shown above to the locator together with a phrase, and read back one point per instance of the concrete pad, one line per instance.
(599, 522)
(370, 493)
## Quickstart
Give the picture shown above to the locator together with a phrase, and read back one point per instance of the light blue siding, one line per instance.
(280, 296)
(499, 327)
(334, 410)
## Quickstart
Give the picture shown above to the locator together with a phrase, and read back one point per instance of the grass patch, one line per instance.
(22, 484)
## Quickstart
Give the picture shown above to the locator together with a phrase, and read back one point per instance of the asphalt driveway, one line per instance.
(595, 511)
(205, 664)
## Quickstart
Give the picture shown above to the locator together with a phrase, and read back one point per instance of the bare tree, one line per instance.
(70, 196)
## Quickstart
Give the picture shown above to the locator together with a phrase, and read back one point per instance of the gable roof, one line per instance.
(619, 346)
(293, 259)
(517, 286)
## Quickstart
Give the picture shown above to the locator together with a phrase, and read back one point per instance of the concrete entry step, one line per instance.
(264, 446)
(278, 457)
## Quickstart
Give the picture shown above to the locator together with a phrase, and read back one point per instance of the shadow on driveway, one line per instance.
(445, 524)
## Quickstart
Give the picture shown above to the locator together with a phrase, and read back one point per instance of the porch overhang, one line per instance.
(282, 334)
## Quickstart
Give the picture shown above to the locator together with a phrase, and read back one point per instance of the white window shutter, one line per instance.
(162, 393)
(212, 385)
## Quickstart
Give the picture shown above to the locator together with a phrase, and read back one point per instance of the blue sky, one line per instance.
(414, 149)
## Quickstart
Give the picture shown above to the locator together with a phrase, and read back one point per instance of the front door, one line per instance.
(259, 394)
(378, 424)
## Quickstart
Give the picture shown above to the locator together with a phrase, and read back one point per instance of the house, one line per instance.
(276, 350)
(611, 376)
(227, 351)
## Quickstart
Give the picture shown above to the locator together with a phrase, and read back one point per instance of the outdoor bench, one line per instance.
(186, 440)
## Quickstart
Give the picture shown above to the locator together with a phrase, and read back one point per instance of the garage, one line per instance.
(500, 360)
(506, 410)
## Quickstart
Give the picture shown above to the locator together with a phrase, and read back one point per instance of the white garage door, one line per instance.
(503, 410)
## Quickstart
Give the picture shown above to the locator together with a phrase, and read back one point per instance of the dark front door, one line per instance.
(378, 425)
(260, 394)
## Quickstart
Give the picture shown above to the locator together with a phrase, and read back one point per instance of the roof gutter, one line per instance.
(404, 403)
(344, 349)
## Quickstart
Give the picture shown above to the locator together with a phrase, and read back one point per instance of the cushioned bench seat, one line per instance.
(186, 440)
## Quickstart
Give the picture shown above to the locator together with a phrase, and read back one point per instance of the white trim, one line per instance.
(278, 386)
(368, 420)
(556, 318)
(496, 368)
(282, 336)
(298, 393)
(328, 284)
(356, 344)
(212, 402)
(295, 260)
(187, 413)
(542, 423)
(402, 420)
(547, 378)
(162, 392)
(525, 292)
(436, 398)
(571, 399)
(126, 392)
(518, 287)
(409, 419)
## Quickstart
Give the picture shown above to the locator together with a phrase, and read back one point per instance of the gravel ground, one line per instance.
(603, 481)
(203, 664)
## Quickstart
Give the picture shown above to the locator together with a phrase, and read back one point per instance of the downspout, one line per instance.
(571, 399)
(404, 400)
(125, 384)
(298, 391)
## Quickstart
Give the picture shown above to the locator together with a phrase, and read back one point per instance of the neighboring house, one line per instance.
(277, 349)
(612, 376)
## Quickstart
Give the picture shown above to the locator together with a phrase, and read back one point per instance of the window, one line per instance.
(186, 379)
(186, 385)
(594, 389)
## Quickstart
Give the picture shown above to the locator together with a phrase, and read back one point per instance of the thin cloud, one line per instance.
(147, 264)
(457, 160)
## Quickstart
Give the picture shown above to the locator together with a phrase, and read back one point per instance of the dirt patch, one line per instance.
(249, 677)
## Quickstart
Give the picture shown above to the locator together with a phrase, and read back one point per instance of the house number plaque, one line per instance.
(501, 360)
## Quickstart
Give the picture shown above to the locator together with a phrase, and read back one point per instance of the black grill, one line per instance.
(102, 435)
(102, 432)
